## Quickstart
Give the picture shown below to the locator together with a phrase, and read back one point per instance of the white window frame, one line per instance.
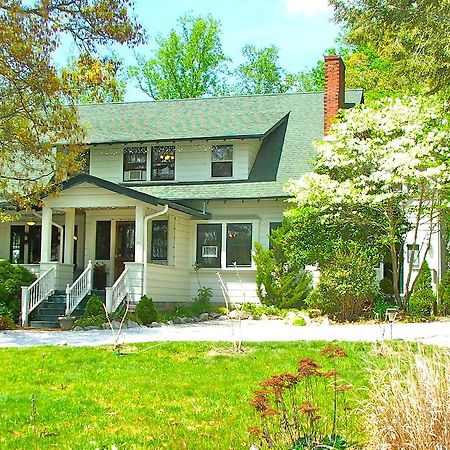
(223, 256)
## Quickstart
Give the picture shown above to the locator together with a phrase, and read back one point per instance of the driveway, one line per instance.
(437, 333)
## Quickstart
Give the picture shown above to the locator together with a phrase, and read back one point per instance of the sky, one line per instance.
(301, 29)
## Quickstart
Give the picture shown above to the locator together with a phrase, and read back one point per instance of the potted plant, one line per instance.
(66, 322)
(99, 276)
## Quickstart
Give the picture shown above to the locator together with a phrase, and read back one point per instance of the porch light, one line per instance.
(31, 222)
(75, 238)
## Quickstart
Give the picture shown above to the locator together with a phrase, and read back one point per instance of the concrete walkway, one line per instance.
(437, 333)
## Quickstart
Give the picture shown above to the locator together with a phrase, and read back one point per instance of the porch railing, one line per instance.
(37, 292)
(79, 289)
(117, 292)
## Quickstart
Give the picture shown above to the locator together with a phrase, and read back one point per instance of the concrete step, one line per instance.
(44, 324)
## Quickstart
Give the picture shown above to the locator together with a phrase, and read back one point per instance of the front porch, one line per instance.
(104, 229)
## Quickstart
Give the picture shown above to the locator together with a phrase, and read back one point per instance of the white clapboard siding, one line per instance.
(107, 162)
(5, 238)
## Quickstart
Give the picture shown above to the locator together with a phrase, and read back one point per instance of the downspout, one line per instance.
(146, 219)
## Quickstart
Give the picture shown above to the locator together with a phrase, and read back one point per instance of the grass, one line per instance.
(167, 395)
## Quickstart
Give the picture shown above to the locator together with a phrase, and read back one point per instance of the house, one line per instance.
(175, 193)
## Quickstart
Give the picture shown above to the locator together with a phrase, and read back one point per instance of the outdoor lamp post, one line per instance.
(390, 315)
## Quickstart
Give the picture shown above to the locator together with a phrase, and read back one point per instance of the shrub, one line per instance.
(347, 285)
(95, 321)
(6, 323)
(202, 302)
(5, 311)
(409, 404)
(256, 309)
(146, 310)
(94, 307)
(444, 295)
(381, 304)
(422, 300)
(386, 286)
(12, 278)
(280, 282)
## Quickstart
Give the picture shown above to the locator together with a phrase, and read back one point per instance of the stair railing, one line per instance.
(81, 287)
(34, 294)
(117, 292)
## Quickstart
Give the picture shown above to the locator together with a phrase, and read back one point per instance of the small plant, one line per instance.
(146, 310)
(6, 323)
(202, 302)
(299, 322)
(422, 301)
(303, 410)
(444, 295)
(94, 307)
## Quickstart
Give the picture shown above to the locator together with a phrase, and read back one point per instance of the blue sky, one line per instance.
(300, 28)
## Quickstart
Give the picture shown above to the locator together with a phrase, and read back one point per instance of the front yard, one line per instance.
(158, 395)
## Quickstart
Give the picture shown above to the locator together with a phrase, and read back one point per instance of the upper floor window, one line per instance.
(413, 254)
(163, 162)
(135, 164)
(222, 161)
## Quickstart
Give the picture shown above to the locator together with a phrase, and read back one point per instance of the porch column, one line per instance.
(69, 231)
(46, 238)
(139, 234)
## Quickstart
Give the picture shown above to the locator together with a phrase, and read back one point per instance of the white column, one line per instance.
(46, 238)
(69, 231)
(139, 234)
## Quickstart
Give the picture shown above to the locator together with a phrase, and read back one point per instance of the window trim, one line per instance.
(230, 161)
(163, 180)
(126, 170)
(223, 254)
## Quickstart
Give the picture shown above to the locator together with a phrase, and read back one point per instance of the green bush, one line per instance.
(146, 311)
(94, 308)
(347, 285)
(95, 321)
(255, 309)
(202, 302)
(386, 286)
(5, 311)
(422, 301)
(280, 282)
(381, 304)
(12, 278)
(444, 295)
(6, 323)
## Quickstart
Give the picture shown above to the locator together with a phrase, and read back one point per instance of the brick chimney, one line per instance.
(334, 95)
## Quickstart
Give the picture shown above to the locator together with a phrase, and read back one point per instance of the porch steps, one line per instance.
(46, 315)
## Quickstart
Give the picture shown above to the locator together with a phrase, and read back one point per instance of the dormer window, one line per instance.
(134, 163)
(163, 162)
(222, 161)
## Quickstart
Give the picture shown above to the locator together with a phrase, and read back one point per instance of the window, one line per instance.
(135, 164)
(163, 162)
(209, 245)
(103, 239)
(159, 241)
(16, 252)
(222, 161)
(413, 254)
(239, 244)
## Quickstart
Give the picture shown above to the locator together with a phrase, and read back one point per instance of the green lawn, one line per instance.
(169, 395)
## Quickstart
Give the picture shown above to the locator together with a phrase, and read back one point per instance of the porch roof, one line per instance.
(131, 193)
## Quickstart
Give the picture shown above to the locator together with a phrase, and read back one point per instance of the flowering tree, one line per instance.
(385, 166)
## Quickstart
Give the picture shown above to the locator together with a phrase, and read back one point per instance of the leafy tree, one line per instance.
(412, 34)
(444, 295)
(94, 80)
(261, 74)
(385, 166)
(34, 114)
(364, 69)
(188, 63)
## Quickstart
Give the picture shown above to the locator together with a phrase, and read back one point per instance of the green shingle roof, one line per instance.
(286, 123)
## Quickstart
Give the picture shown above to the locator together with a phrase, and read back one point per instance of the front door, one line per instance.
(124, 246)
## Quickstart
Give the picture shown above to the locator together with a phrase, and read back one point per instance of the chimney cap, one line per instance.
(332, 57)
